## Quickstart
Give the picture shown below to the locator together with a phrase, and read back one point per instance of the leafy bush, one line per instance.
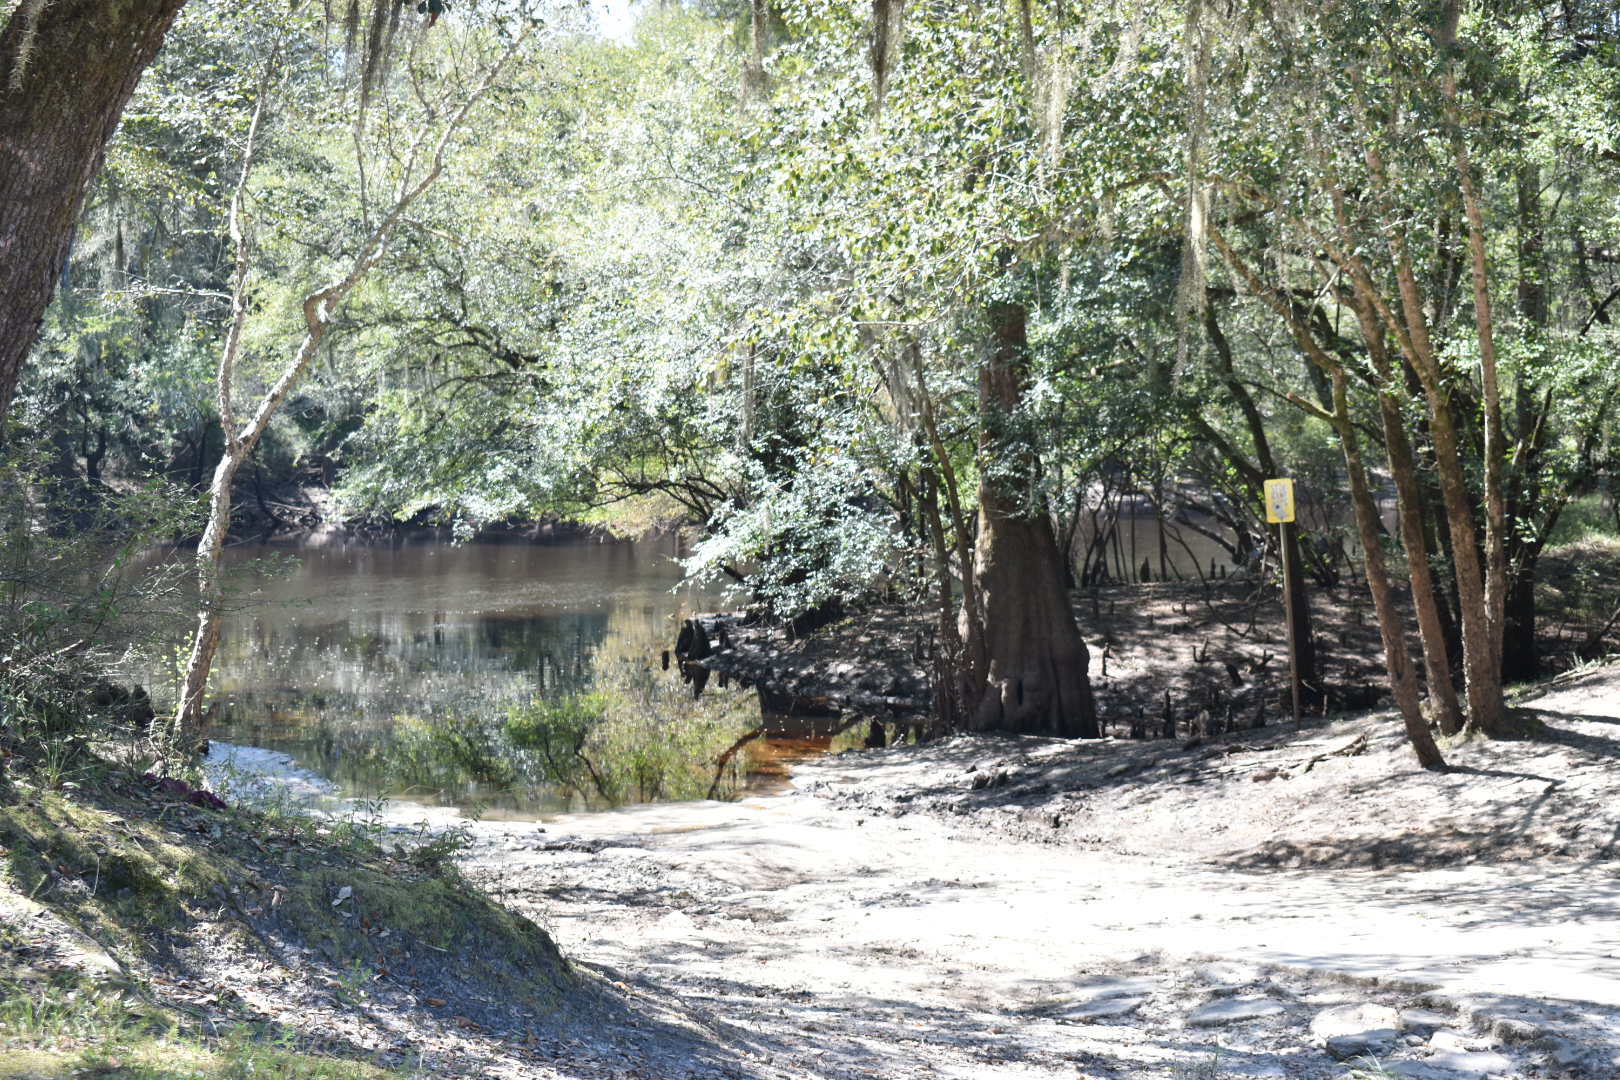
(553, 733)
(449, 751)
(636, 738)
(655, 742)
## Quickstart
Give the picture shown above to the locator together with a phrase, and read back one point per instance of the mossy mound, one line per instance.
(147, 892)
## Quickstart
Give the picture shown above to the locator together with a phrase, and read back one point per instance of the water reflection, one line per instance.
(336, 645)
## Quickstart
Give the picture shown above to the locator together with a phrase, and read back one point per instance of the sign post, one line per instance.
(1280, 512)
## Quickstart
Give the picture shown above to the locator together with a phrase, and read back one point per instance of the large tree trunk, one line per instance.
(1521, 659)
(1036, 678)
(65, 76)
(1482, 671)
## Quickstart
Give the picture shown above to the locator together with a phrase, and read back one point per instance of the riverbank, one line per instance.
(311, 514)
(927, 912)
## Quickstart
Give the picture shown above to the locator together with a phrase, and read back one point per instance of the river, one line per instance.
(342, 654)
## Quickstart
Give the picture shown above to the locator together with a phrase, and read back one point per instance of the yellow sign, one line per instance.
(1279, 501)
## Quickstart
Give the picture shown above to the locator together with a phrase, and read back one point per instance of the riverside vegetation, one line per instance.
(913, 319)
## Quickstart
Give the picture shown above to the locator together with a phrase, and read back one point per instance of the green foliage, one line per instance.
(79, 593)
(655, 742)
(652, 295)
(636, 738)
(436, 753)
(554, 733)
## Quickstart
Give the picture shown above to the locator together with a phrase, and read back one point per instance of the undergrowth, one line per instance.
(66, 1026)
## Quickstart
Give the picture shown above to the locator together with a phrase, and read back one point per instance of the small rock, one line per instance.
(1105, 1009)
(1118, 770)
(1361, 1044)
(1234, 1010)
(1227, 976)
(1480, 1064)
(982, 780)
(1509, 1030)
(1365, 1018)
(1422, 1022)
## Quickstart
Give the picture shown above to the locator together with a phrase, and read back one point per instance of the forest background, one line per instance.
(884, 300)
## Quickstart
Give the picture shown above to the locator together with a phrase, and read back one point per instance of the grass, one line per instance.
(1209, 1069)
(235, 1057)
(1587, 517)
(67, 1025)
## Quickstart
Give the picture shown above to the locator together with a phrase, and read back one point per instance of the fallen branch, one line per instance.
(724, 759)
(1357, 745)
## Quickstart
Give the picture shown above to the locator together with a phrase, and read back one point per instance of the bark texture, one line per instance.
(1447, 710)
(421, 166)
(1036, 678)
(57, 111)
(1396, 659)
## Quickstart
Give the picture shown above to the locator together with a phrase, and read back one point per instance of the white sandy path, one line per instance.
(789, 895)
(1031, 915)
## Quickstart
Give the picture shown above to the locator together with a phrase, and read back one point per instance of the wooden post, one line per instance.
(1280, 510)
(1289, 570)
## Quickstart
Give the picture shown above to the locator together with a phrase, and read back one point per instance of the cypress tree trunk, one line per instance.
(1521, 659)
(1036, 675)
(66, 73)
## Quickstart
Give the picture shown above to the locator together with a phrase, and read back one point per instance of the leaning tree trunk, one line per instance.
(420, 169)
(1447, 710)
(1036, 680)
(67, 68)
(1396, 660)
(186, 727)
